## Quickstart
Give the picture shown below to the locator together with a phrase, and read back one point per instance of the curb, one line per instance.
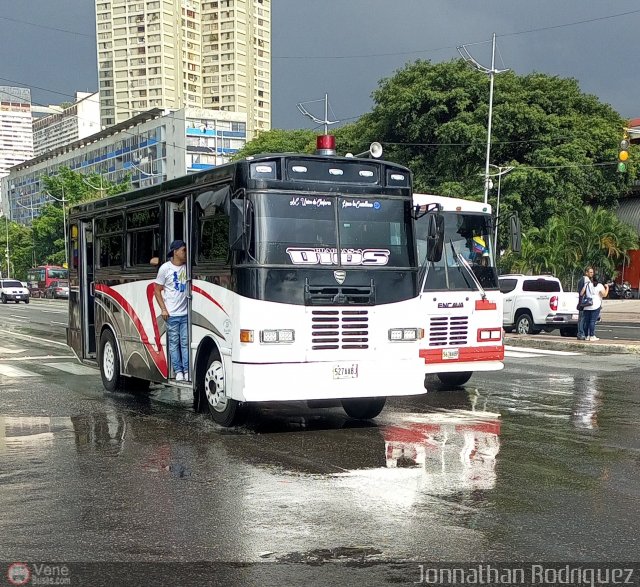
(599, 347)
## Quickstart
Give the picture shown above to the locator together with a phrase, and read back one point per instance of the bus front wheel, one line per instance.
(212, 384)
(110, 363)
(363, 408)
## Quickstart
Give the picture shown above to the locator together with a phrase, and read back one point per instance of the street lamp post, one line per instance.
(100, 189)
(464, 52)
(30, 208)
(64, 223)
(6, 220)
(501, 171)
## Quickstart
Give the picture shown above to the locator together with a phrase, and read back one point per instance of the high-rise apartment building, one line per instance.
(76, 121)
(185, 53)
(16, 132)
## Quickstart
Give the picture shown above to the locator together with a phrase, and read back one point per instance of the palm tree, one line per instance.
(573, 240)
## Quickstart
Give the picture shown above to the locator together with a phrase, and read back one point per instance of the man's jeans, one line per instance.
(581, 324)
(177, 328)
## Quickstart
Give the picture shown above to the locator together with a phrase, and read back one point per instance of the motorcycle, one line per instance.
(620, 291)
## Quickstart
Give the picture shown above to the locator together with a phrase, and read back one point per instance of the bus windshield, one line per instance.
(58, 274)
(470, 235)
(304, 230)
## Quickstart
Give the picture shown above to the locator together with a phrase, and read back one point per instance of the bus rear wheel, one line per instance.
(109, 361)
(363, 408)
(454, 379)
(212, 386)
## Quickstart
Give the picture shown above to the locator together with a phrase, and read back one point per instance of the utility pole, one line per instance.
(464, 52)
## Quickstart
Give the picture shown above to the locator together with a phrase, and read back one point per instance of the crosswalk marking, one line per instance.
(520, 354)
(11, 371)
(7, 351)
(539, 351)
(73, 368)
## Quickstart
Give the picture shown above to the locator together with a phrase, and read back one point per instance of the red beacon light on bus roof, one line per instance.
(325, 145)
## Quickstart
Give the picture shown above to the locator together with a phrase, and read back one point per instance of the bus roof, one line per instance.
(451, 204)
(237, 170)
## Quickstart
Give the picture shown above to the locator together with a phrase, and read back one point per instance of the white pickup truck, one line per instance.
(532, 303)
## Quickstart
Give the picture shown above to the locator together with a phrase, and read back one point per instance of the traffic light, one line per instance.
(623, 153)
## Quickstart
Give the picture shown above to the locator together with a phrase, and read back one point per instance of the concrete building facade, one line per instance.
(77, 121)
(151, 147)
(185, 53)
(16, 131)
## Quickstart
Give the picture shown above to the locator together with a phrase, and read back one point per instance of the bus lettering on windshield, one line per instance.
(327, 256)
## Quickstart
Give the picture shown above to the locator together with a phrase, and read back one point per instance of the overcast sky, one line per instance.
(344, 47)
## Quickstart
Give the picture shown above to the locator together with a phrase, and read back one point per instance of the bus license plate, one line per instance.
(450, 354)
(345, 371)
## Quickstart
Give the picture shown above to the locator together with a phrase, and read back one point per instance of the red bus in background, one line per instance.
(40, 278)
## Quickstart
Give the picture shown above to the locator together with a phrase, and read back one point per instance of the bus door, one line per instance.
(87, 290)
(81, 334)
(178, 228)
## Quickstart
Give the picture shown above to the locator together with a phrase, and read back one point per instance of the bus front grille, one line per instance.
(328, 295)
(339, 329)
(448, 330)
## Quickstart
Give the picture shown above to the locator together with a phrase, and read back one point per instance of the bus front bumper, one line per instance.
(327, 380)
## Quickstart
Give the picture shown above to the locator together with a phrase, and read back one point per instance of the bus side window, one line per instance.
(109, 231)
(214, 239)
(143, 236)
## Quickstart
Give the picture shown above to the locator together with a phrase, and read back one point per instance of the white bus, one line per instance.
(301, 280)
(459, 297)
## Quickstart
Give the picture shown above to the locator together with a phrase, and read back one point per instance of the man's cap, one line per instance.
(175, 245)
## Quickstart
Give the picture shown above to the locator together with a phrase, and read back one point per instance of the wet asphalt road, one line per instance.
(535, 463)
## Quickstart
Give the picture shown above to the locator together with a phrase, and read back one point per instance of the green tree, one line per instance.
(20, 249)
(279, 141)
(573, 240)
(348, 140)
(562, 142)
(72, 188)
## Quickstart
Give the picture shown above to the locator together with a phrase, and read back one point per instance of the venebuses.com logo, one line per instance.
(18, 574)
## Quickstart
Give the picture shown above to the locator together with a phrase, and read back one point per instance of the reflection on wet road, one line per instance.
(538, 462)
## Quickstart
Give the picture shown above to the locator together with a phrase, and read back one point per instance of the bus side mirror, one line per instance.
(515, 233)
(435, 237)
(239, 225)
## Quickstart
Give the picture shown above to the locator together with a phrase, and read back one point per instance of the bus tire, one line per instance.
(110, 363)
(363, 408)
(454, 379)
(211, 387)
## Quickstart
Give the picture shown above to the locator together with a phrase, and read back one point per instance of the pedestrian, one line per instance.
(171, 294)
(597, 291)
(586, 278)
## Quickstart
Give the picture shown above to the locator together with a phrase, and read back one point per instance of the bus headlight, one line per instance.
(282, 336)
(406, 334)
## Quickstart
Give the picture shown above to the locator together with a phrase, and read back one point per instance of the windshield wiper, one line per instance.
(465, 265)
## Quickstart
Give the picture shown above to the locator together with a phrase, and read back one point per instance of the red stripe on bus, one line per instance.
(157, 354)
(206, 295)
(465, 354)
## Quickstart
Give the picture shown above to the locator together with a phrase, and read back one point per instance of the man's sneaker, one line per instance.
(186, 376)
(594, 338)
(179, 376)
(582, 338)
